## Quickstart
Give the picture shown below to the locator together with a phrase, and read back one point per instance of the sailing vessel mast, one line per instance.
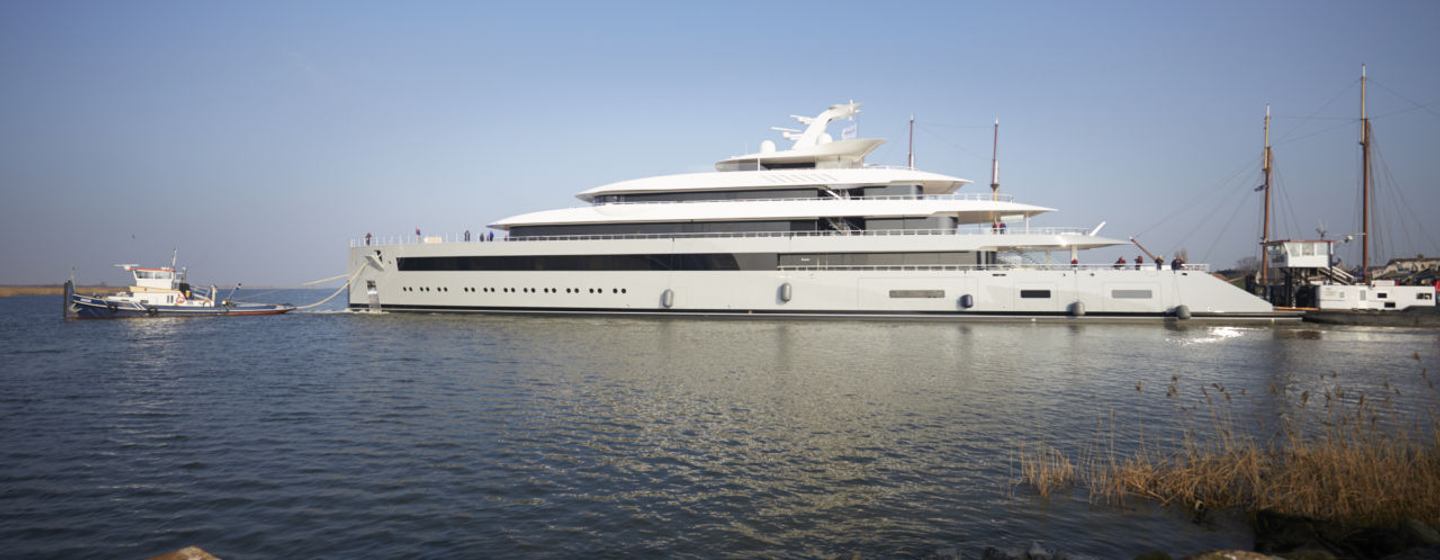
(1364, 184)
(1265, 226)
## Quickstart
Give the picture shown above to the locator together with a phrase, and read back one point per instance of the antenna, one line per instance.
(995, 172)
(910, 157)
(995, 163)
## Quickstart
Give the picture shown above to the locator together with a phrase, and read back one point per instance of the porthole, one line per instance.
(622, 290)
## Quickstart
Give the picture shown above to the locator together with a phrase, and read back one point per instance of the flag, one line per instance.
(1260, 188)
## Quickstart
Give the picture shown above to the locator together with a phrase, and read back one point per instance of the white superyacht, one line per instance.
(809, 231)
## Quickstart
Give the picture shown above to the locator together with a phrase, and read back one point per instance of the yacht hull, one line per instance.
(900, 292)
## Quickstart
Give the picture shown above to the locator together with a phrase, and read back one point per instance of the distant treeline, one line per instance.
(54, 290)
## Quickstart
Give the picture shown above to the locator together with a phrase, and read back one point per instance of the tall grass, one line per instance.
(1361, 463)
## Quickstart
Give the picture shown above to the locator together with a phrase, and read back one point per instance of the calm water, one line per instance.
(333, 435)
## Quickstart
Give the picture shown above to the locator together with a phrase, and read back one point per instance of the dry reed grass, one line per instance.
(1045, 469)
(1363, 464)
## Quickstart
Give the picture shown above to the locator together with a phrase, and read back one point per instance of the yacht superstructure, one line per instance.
(811, 230)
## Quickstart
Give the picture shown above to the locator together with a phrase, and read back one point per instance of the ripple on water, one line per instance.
(402, 436)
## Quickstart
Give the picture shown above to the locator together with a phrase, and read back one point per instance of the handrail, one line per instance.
(984, 230)
(986, 267)
(978, 197)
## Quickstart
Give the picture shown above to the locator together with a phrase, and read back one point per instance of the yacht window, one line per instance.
(1424, 295)
(921, 294)
(1035, 294)
(1130, 294)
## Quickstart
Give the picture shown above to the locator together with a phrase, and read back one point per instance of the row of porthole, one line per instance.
(513, 290)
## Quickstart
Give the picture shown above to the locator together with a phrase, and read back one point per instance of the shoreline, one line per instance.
(54, 290)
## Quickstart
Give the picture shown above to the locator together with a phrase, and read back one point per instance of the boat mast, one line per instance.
(1364, 184)
(1265, 225)
(910, 154)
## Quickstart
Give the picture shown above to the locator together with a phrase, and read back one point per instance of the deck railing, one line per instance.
(978, 197)
(987, 267)
(409, 240)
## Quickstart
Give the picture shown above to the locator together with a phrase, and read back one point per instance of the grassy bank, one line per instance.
(55, 290)
(1356, 460)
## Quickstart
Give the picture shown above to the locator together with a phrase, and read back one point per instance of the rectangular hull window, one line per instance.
(1131, 294)
(1035, 294)
(920, 294)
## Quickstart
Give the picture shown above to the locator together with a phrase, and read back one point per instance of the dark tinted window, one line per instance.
(1035, 294)
(698, 261)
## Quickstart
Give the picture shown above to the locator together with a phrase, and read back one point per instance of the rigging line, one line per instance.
(937, 136)
(1224, 228)
(943, 125)
(1248, 166)
(1407, 99)
(1425, 235)
(1316, 133)
(1395, 223)
(1205, 220)
(1399, 200)
(1403, 111)
(1295, 226)
(1337, 95)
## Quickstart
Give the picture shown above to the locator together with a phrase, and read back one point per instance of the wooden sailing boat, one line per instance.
(1329, 293)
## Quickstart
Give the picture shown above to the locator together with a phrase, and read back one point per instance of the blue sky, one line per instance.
(258, 137)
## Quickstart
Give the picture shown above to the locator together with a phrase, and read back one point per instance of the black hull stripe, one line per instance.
(856, 314)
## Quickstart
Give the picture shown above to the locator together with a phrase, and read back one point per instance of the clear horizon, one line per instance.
(258, 139)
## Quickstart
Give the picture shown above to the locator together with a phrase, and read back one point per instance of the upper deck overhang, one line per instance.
(930, 183)
(965, 211)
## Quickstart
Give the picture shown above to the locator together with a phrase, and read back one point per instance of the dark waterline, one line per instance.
(337, 435)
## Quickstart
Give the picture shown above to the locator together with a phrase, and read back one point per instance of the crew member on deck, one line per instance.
(1119, 263)
(1138, 261)
(1159, 262)
(1176, 263)
(368, 237)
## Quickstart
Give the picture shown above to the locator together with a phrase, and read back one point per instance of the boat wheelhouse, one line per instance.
(811, 230)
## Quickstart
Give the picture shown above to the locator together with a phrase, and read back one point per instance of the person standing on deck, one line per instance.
(1159, 262)
(1138, 261)
(1119, 263)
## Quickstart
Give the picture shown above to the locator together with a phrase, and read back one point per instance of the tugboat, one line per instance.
(160, 292)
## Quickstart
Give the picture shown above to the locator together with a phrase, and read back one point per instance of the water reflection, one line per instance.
(405, 435)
